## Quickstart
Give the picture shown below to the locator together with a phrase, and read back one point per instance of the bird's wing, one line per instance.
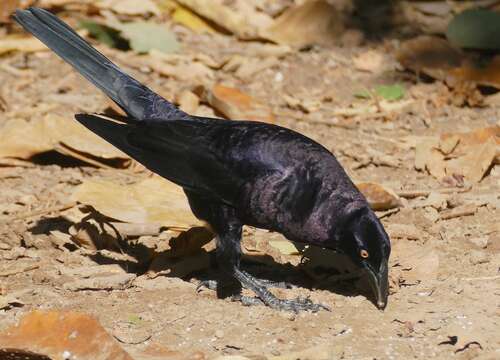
(177, 150)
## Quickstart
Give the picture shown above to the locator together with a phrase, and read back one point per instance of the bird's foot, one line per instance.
(268, 298)
(295, 305)
(207, 284)
(212, 284)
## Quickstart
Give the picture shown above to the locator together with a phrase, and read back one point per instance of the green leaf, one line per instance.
(390, 92)
(386, 92)
(363, 94)
(104, 34)
(145, 36)
(475, 29)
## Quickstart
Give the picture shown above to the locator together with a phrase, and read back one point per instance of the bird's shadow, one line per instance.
(314, 272)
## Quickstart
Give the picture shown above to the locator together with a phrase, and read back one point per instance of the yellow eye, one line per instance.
(364, 254)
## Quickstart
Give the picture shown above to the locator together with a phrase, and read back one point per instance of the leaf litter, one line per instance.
(115, 223)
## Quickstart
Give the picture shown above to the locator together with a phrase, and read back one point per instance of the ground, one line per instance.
(447, 310)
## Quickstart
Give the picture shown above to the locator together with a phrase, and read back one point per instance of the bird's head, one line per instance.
(367, 244)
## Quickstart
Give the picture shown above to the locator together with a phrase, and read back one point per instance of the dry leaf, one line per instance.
(56, 332)
(103, 282)
(154, 200)
(459, 211)
(9, 301)
(370, 61)
(23, 139)
(313, 22)
(379, 197)
(130, 7)
(7, 7)
(285, 247)
(24, 44)
(188, 102)
(189, 19)
(238, 16)
(476, 162)
(180, 67)
(435, 57)
(403, 231)
(469, 155)
(236, 105)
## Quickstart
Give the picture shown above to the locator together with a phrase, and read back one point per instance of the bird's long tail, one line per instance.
(138, 101)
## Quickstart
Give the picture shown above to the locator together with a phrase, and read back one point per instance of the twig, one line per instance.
(43, 211)
(18, 271)
(465, 210)
(410, 194)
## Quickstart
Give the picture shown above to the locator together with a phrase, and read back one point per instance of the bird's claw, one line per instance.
(208, 284)
(296, 305)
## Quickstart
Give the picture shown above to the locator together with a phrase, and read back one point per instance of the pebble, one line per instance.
(481, 242)
(219, 334)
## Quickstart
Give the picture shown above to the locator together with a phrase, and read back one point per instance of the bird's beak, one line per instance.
(379, 283)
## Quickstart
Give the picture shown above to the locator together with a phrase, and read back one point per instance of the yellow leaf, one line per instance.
(194, 22)
(154, 200)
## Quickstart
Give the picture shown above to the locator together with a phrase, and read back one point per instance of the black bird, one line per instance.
(233, 172)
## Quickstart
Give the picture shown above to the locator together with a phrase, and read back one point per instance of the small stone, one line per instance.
(478, 257)
(219, 334)
(481, 242)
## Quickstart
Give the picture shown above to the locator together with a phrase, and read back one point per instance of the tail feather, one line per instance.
(138, 101)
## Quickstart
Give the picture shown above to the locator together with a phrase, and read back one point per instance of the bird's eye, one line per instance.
(364, 254)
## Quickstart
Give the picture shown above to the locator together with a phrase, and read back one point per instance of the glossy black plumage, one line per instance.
(233, 172)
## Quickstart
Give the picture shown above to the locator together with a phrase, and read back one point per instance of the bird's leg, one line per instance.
(211, 284)
(296, 305)
(228, 259)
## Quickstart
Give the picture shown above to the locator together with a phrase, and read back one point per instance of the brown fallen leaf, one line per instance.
(105, 282)
(370, 61)
(379, 197)
(24, 139)
(129, 7)
(469, 155)
(459, 211)
(435, 57)
(238, 16)
(56, 332)
(403, 231)
(188, 102)
(180, 67)
(17, 43)
(9, 301)
(476, 162)
(312, 22)
(154, 200)
(237, 105)
(7, 7)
